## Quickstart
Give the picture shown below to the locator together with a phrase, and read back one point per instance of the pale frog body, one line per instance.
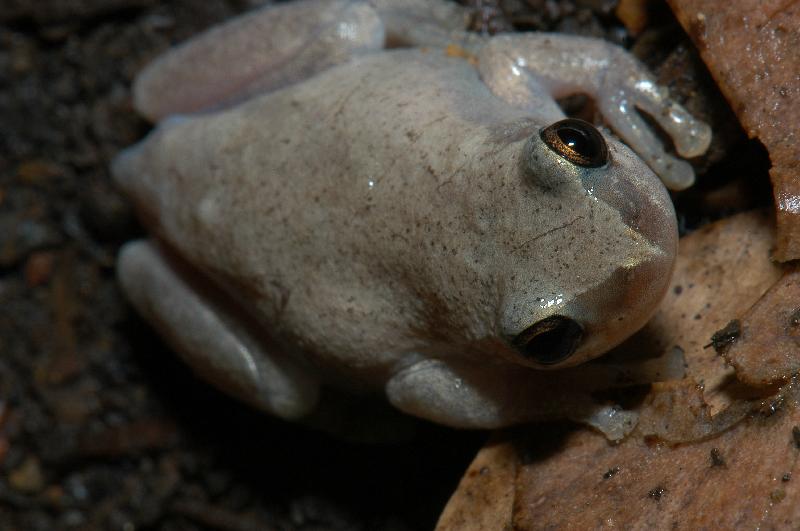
(420, 221)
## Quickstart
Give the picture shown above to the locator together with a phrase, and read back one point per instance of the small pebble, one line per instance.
(39, 268)
(27, 477)
(38, 172)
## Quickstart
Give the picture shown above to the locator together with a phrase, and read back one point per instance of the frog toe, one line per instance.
(691, 137)
(529, 70)
(675, 173)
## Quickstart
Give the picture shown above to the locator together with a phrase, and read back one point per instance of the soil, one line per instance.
(101, 427)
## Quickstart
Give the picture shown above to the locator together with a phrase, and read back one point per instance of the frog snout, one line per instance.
(623, 243)
(628, 297)
(550, 340)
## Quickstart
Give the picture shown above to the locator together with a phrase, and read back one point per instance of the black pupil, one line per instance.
(550, 340)
(578, 142)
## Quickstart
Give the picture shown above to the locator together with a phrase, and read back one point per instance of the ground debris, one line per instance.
(724, 338)
(218, 518)
(768, 351)
(129, 439)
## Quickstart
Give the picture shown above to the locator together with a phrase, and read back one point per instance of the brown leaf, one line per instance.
(660, 486)
(727, 473)
(721, 271)
(633, 15)
(768, 350)
(752, 48)
(485, 495)
(129, 439)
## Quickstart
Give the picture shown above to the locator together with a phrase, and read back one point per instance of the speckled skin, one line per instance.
(388, 223)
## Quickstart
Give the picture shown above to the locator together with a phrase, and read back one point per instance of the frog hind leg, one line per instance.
(209, 336)
(565, 64)
(259, 51)
(426, 23)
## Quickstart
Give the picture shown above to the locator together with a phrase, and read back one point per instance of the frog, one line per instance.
(365, 197)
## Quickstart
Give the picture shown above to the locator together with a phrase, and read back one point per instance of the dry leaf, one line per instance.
(486, 492)
(768, 350)
(633, 15)
(752, 48)
(571, 477)
(722, 270)
(732, 481)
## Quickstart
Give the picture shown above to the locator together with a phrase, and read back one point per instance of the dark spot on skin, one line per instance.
(611, 472)
(508, 133)
(786, 477)
(796, 436)
(678, 289)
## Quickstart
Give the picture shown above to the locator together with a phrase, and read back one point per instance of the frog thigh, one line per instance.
(426, 23)
(208, 335)
(260, 51)
(512, 65)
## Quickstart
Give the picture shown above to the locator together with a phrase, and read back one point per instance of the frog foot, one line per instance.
(523, 68)
(630, 88)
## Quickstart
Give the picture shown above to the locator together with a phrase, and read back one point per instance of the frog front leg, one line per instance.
(521, 68)
(207, 332)
(466, 394)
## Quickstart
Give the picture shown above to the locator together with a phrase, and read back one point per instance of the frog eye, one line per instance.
(550, 340)
(577, 141)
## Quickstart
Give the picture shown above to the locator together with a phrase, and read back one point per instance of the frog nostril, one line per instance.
(577, 141)
(550, 340)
